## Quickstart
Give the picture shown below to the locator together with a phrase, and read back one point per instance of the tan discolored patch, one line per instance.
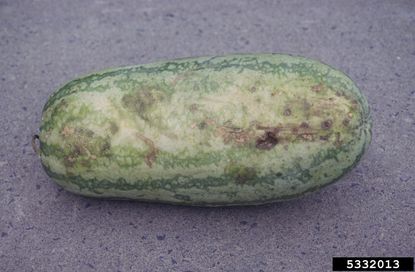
(141, 101)
(67, 131)
(307, 136)
(181, 77)
(276, 92)
(210, 122)
(193, 107)
(69, 161)
(235, 135)
(338, 142)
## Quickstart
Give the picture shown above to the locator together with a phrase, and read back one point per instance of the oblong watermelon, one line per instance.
(227, 130)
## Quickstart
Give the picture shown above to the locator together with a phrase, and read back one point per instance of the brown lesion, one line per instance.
(76, 151)
(322, 107)
(69, 161)
(181, 77)
(346, 122)
(193, 107)
(276, 92)
(306, 107)
(241, 174)
(339, 93)
(353, 103)
(304, 125)
(318, 124)
(151, 155)
(267, 137)
(305, 132)
(85, 163)
(291, 132)
(317, 88)
(81, 152)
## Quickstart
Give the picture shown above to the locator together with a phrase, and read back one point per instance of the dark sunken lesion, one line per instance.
(287, 112)
(105, 147)
(324, 137)
(113, 128)
(267, 141)
(202, 125)
(304, 125)
(326, 124)
(346, 122)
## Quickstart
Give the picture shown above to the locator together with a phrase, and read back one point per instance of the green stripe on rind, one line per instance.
(183, 201)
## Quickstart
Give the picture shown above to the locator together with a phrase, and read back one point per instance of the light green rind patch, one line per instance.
(233, 130)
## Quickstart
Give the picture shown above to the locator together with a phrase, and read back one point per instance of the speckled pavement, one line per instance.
(369, 212)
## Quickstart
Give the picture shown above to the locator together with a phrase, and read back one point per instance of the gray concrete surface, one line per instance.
(370, 212)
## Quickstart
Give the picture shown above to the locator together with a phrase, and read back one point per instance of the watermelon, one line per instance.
(238, 129)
